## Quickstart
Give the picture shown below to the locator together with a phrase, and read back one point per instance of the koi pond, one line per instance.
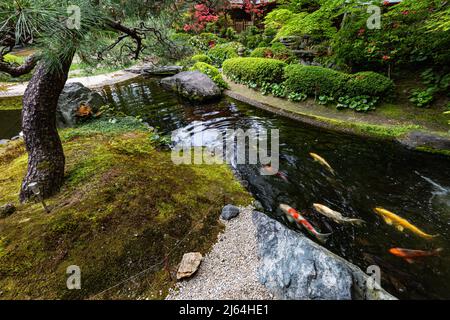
(368, 174)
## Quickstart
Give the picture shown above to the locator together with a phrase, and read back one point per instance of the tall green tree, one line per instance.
(93, 29)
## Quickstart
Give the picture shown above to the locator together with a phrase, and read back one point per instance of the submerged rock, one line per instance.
(75, 103)
(418, 139)
(192, 85)
(189, 265)
(7, 210)
(295, 267)
(229, 212)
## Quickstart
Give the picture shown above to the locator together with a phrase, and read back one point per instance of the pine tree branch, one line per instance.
(17, 71)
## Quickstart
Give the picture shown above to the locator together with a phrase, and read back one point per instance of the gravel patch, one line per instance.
(229, 270)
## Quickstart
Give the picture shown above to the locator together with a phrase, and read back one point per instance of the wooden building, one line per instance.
(242, 19)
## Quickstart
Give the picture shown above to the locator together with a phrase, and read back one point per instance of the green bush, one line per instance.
(422, 98)
(211, 72)
(358, 103)
(254, 70)
(275, 52)
(251, 37)
(315, 81)
(327, 82)
(201, 58)
(224, 51)
(369, 83)
(204, 41)
(318, 24)
(262, 52)
(277, 18)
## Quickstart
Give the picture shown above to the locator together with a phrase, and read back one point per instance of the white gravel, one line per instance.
(229, 270)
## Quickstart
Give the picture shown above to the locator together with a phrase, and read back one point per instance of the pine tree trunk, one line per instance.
(45, 152)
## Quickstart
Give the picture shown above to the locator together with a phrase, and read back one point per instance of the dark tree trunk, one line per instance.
(45, 152)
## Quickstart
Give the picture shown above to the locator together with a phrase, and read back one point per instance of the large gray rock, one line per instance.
(192, 85)
(76, 103)
(294, 267)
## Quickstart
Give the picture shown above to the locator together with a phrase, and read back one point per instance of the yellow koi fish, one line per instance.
(392, 219)
(322, 161)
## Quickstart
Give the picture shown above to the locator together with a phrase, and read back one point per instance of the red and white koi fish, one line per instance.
(269, 170)
(292, 214)
(409, 255)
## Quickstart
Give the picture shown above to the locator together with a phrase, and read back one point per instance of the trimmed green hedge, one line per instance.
(224, 51)
(371, 84)
(211, 72)
(313, 80)
(254, 70)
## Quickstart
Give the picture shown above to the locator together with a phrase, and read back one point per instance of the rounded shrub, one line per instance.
(279, 53)
(254, 70)
(211, 72)
(262, 52)
(224, 51)
(201, 58)
(313, 80)
(369, 83)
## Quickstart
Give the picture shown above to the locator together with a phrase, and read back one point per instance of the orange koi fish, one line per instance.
(409, 255)
(292, 214)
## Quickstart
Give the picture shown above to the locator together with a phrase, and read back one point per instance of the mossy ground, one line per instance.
(125, 208)
(10, 103)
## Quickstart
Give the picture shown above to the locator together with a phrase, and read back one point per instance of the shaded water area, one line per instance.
(369, 173)
(10, 117)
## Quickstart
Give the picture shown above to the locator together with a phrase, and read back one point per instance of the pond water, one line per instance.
(369, 173)
(10, 115)
(9, 123)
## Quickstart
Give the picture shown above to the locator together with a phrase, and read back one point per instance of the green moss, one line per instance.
(104, 127)
(434, 151)
(11, 58)
(11, 103)
(125, 209)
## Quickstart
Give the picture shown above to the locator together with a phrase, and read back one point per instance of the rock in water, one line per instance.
(295, 267)
(418, 139)
(161, 71)
(192, 85)
(75, 103)
(7, 210)
(189, 264)
(229, 212)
